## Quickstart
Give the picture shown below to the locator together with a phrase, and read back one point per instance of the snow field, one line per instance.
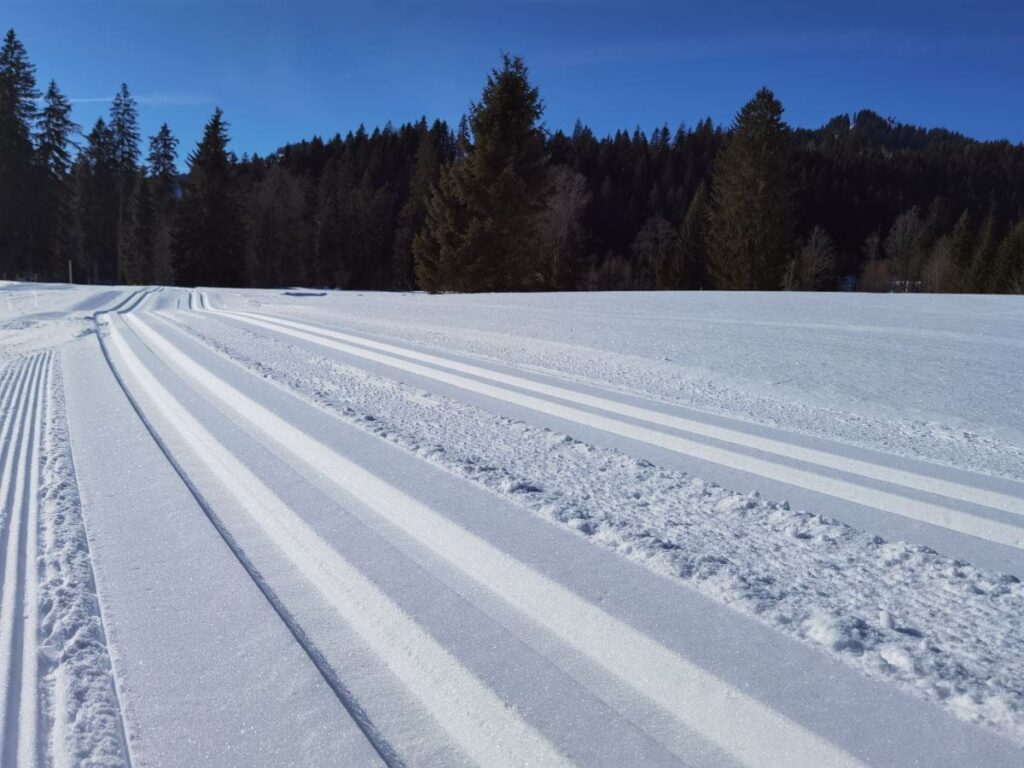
(509, 530)
(958, 633)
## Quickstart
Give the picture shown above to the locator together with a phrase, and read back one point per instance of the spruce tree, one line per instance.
(162, 159)
(414, 212)
(278, 233)
(124, 127)
(961, 248)
(480, 233)
(124, 131)
(655, 252)
(1008, 270)
(96, 180)
(18, 96)
(54, 134)
(333, 240)
(138, 267)
(163, 171)
(54, 140)
(752, 214)
(210, 235)
(693, 242)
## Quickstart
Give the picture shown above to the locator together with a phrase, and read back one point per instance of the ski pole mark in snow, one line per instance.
(937, 514)
(737, 723)
(481, 724)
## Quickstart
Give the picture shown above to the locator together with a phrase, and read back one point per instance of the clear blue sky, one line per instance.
(284, 71)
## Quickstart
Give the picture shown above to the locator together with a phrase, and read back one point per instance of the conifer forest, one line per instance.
(499, 202)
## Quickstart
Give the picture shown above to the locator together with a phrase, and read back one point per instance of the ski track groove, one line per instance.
(19, 487)
(938, 514)
(376, 739)
(476, 718)
(742, 726)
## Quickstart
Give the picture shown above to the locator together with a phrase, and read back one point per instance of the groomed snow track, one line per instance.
(280, 585)
(384, 567)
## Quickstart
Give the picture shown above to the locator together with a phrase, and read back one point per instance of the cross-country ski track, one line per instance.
(265, 571)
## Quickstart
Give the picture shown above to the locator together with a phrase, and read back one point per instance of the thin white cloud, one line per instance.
(152, 99)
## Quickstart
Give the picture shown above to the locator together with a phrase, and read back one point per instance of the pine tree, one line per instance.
(693, 242)
(163, 171)
(124, 127)
(1008, 272)
(984, 257)
(752, 215)
(54, 134)
(210, 235)
(124, 131)
(96, 180)
(961, 248)
(481, 225)
(413, 213)
(333, 258)
(655, 252)
(162, 160)
(18, 96)
(54, 142)
(278, 232)
(137, 268)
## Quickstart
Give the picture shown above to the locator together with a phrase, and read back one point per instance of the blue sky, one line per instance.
(283, 71)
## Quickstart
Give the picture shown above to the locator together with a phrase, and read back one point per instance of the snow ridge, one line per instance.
(59, 705)
(938, 627)
(721, 713)
(79, 689)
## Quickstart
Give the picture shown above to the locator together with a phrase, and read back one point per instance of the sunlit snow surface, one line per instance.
(814, 503)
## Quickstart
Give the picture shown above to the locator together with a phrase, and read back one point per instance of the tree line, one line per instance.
(499, 203)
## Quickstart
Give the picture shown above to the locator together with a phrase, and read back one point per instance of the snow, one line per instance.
(592, 529)
(781, 570)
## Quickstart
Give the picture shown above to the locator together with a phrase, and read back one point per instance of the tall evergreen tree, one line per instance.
(96, 181)
(656, 254)
(481, 225)
(278, 232)
(124, 128)
(54, 142)
(18, 96)
(1008, 271)
(333, 259)
(413, 213)
(163, 171)
(137, 268)
(124, 131)
(693, 242)
(983, 259)
(961, 247)
(162, 160)
(210, 236)
(752, 215)
(54, 134)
